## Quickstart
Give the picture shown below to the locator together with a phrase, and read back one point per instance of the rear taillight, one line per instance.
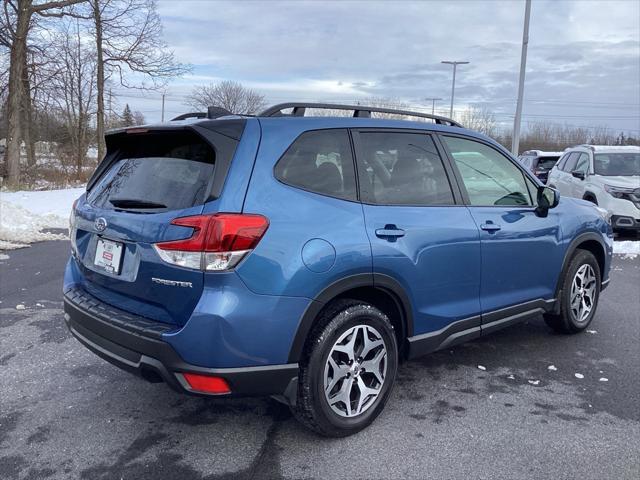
(218, 242)
(72, 227)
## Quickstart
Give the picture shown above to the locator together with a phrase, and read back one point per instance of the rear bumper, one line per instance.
(145, 354)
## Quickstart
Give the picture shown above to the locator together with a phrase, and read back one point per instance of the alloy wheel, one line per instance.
(583, 293)
(355, 371)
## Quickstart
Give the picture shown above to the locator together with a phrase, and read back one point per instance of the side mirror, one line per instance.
(547, 198)
(578, 174)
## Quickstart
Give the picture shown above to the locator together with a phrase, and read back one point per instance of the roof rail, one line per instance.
(358, 111)
(212, 112)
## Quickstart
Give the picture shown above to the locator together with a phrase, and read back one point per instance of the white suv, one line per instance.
(608, 176)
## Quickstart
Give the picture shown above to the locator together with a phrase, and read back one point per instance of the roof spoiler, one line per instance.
(212, 112)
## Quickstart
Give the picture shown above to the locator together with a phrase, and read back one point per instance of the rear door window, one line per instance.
(157, 172)
(398, 168)
(320, 161)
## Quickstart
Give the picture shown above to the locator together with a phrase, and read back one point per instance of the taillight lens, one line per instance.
(72, 227)
(218, 242)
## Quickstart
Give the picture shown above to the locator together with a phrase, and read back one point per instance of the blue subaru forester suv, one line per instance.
(303, 254)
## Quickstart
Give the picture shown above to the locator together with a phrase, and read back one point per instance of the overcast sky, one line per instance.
(583, 65)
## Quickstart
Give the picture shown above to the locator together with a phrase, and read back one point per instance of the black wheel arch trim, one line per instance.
(588, 194)
(573, 246)
(374, 280)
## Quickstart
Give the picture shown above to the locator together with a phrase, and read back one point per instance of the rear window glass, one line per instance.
(157, 172)
(547, 163)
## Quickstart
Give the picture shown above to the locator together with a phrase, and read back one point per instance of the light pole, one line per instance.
(453, 83)
(433, 104)
(515, 142)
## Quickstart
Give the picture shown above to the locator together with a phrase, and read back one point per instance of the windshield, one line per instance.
(617, 164)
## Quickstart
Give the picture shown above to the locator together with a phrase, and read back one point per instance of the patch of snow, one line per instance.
(46, 202)
(511, 377)
(592, 331)
(481, 367)
(4, 256)
(4, 245)
(603, 379)
(534, 382)
(24, 214)
(552, 368)
(578, 375)
(20, 307)
(627, 248)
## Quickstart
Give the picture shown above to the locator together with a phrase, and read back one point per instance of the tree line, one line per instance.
(63, 56)
(60, 60)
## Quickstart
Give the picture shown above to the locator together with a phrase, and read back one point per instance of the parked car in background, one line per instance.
(306, 257)
(539, 162)
(608, 176)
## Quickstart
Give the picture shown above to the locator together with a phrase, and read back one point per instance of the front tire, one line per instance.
(580, 294)
(348, 369)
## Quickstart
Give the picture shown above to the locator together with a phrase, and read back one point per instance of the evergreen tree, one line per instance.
(127, 117)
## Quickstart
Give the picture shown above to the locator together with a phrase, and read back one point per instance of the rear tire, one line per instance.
(579, 295)
(348, 369)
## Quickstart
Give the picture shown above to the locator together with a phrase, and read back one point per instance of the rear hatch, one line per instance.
(148, 178)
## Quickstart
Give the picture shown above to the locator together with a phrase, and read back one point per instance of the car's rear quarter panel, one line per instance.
(338, 243)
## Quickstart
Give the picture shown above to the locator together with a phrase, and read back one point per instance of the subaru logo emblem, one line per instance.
(100, 224)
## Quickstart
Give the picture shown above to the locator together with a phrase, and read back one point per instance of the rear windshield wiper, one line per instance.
(134, 203)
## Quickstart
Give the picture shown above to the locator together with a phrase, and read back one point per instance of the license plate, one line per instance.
(108, 255)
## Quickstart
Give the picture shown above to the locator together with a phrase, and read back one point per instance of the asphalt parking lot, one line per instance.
(523, 403)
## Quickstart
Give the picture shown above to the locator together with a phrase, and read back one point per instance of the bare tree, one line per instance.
(479, 119)
(75, 89)
(138, 118)
(232, 96)
(556, 137)
(18, 18)
(128, 39)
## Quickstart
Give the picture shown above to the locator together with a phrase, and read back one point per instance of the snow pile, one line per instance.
(628, 248)
(23, 215)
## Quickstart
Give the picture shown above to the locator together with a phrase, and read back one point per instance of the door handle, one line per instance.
(489, 226)
(390, 232)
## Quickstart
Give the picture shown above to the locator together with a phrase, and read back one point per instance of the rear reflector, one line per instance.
(217, 242)
(206, 384)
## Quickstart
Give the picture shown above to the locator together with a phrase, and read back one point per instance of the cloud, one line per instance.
(583, 64)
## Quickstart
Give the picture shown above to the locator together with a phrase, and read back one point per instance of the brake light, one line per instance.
(218, 242)
(72, 227)
(206, 384)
